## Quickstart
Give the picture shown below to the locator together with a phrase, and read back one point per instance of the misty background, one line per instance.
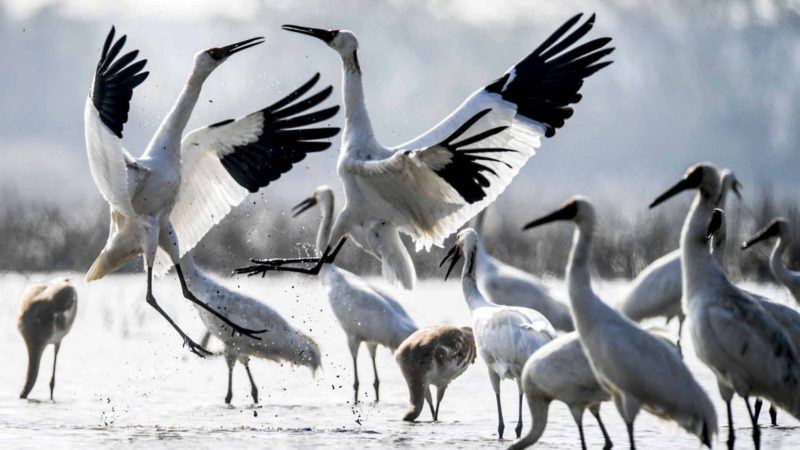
(714, 80)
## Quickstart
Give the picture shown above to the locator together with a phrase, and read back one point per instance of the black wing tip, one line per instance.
(115, 80)
(550, 78)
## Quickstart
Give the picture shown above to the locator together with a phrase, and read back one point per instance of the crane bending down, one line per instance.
(46, 314)
(638, 369)
(506, 336)
(732, 332)
(165, 201)
(366, 312)
(429, 187)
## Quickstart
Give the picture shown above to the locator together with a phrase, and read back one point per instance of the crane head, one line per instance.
(702, 176)
(343, 41)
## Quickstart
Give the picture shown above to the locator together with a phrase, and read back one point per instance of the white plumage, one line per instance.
(637, 369)
(560, 371)
(366, 312)
(431, 185)
(732, 332)
(506, 285)
(657, 290)
(282, 342)
(506, 336)
(165, 201)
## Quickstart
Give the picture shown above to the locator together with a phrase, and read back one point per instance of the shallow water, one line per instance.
(123, 379)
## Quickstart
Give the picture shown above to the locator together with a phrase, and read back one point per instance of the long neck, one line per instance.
(478, 222)
(175, 122)
(779, 269)
(324, 231)
(696, 260)
(579, 279)
(357, 126)
(469, 284)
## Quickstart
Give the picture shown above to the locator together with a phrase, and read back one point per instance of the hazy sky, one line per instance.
(718, 81)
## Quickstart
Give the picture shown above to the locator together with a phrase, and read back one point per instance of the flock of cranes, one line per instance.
(578, 351)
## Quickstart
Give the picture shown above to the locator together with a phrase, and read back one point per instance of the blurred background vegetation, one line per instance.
(42, 237)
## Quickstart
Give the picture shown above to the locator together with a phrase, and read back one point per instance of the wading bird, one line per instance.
(637, 369)
(732, 333)
(786, 317)
(280, 343)
(46, 313)
(429, 187)
(366, 312)
(560, 371)
(506, 285)
(780, 229)
(165, 201)
(506, 335)
(657, 290)
(433, 356)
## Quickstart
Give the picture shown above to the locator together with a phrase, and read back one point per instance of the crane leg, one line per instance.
(518, 429)
(773, 415)
(372, 347)
(680, 334)
(253, 387)
(230, 359)
(731, 432)
(234, 327)
(757, 407)
(595, 410)
(501, 426)
(439, 396)
(354, 344)
(187, 341)
(429, 399)
(168, 240)
(56, 347)
(262, 266)
(756, 430)
(629, 425)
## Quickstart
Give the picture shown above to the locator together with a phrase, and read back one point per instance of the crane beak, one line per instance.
(304, 206)
(714, 225)
(228, 50)
(453, 255)
(692, 181)
(772, 229)
(324, 35)
(566, 212)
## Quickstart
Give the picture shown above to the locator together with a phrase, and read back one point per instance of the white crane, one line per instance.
(506, 285)
(46, 314)
(560, 371)
(165, 201)
(429, 187)
(780, 229)
(787, 317)
(506, 335)
(366, 312)
(657, 290)
(281, 342)
(732, 332)
(637, 369)
(433, 356)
